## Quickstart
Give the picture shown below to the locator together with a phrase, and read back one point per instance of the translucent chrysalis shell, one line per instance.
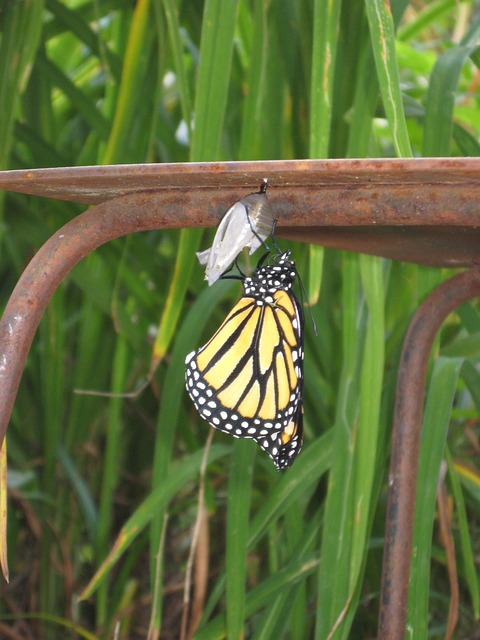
(246, 224)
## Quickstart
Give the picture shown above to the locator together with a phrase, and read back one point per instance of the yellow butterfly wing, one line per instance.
(247, 380)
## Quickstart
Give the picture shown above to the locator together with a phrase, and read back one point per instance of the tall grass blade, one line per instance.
(382, 33)
(325, 39)
(434, 432)
(368, 452)
(21, 22)
(441, 100)
(238, 508)
(176, 43)
(216, 47)
(466, 549)
(334, 594)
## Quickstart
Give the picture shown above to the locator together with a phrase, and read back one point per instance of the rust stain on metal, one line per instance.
(436, 246)
(405, 445)
(313, 199)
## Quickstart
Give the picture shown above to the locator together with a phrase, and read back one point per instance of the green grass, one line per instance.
(93, 479)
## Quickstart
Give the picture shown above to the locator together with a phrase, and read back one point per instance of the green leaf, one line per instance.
(216, 47)
(382, 34)
(440, 101)
(432, 445)
(456, 474)
(325, 37)
(238, 507)
(21, 23)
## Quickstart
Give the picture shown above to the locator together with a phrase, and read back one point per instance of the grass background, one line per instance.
(112, 492)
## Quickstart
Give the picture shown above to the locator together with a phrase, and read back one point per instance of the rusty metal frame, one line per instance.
(46, 270)
(423, 210)
(407, 423)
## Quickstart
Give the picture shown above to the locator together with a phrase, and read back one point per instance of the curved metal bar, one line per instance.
(47, 269)
(405, 446)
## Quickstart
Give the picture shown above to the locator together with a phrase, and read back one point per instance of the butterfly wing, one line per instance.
(248, 379)
(291, 440)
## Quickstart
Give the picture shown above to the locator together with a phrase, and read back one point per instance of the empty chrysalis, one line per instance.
(246, 224)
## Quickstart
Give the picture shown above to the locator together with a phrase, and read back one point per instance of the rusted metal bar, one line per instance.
(405, 446)
(422, 210)
(408, 188)
(47, 269)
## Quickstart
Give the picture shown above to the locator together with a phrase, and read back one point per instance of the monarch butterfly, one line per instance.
(246, 224)
(247, 380)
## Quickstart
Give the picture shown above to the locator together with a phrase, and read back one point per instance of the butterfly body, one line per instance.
(247, 380)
